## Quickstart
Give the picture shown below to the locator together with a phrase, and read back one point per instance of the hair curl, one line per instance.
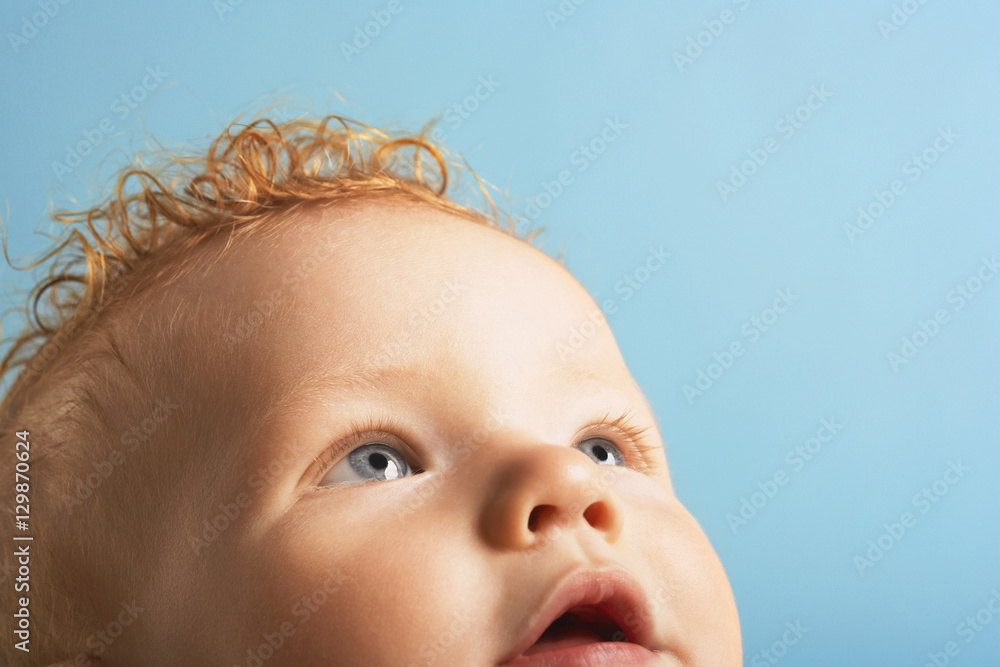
(265, 167)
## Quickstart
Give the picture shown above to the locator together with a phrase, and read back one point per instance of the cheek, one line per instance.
(377, 592)
(635, 485)
(691, 584)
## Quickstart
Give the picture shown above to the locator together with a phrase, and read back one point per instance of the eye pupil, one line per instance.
(378, 461)
(601, 452)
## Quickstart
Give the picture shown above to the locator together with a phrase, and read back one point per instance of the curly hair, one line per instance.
(138, 237)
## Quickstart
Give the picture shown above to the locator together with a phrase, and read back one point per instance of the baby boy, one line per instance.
(299, 407)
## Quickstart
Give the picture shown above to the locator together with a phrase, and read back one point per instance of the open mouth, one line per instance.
(590, 617)
(585, 624)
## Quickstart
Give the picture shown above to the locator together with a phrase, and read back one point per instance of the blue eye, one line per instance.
(603, 451)
(373, 462)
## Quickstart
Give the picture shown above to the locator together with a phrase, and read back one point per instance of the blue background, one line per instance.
(688, 125)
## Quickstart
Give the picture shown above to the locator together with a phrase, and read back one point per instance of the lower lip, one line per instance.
(598, 654)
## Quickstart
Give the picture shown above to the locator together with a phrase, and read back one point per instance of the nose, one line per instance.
(541, 491)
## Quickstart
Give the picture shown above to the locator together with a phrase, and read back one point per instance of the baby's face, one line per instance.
(417, 466)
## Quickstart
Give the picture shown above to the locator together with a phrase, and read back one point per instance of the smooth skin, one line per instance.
(487, 494)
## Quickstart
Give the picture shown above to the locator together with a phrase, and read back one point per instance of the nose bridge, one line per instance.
(537, 490)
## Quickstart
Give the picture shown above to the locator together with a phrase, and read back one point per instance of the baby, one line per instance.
(293, 404)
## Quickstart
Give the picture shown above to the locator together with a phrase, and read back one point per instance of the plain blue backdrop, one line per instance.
(749, 135)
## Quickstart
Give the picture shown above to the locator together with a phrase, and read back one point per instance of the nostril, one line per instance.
(536, 515)
(596, 515)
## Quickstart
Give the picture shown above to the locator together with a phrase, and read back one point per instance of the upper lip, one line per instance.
(612, 590)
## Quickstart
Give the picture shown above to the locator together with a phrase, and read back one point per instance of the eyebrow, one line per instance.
(374, 378)
(360, 376)
(576, 368)
(315, 383)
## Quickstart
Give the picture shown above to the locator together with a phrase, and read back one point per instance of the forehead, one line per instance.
(374, 296)
(384, 281)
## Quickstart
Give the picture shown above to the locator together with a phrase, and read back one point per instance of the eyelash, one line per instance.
(633, 436)
(374, 425)
(361, 432)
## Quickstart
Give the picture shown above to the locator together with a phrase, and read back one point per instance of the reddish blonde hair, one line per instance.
(248, 176)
